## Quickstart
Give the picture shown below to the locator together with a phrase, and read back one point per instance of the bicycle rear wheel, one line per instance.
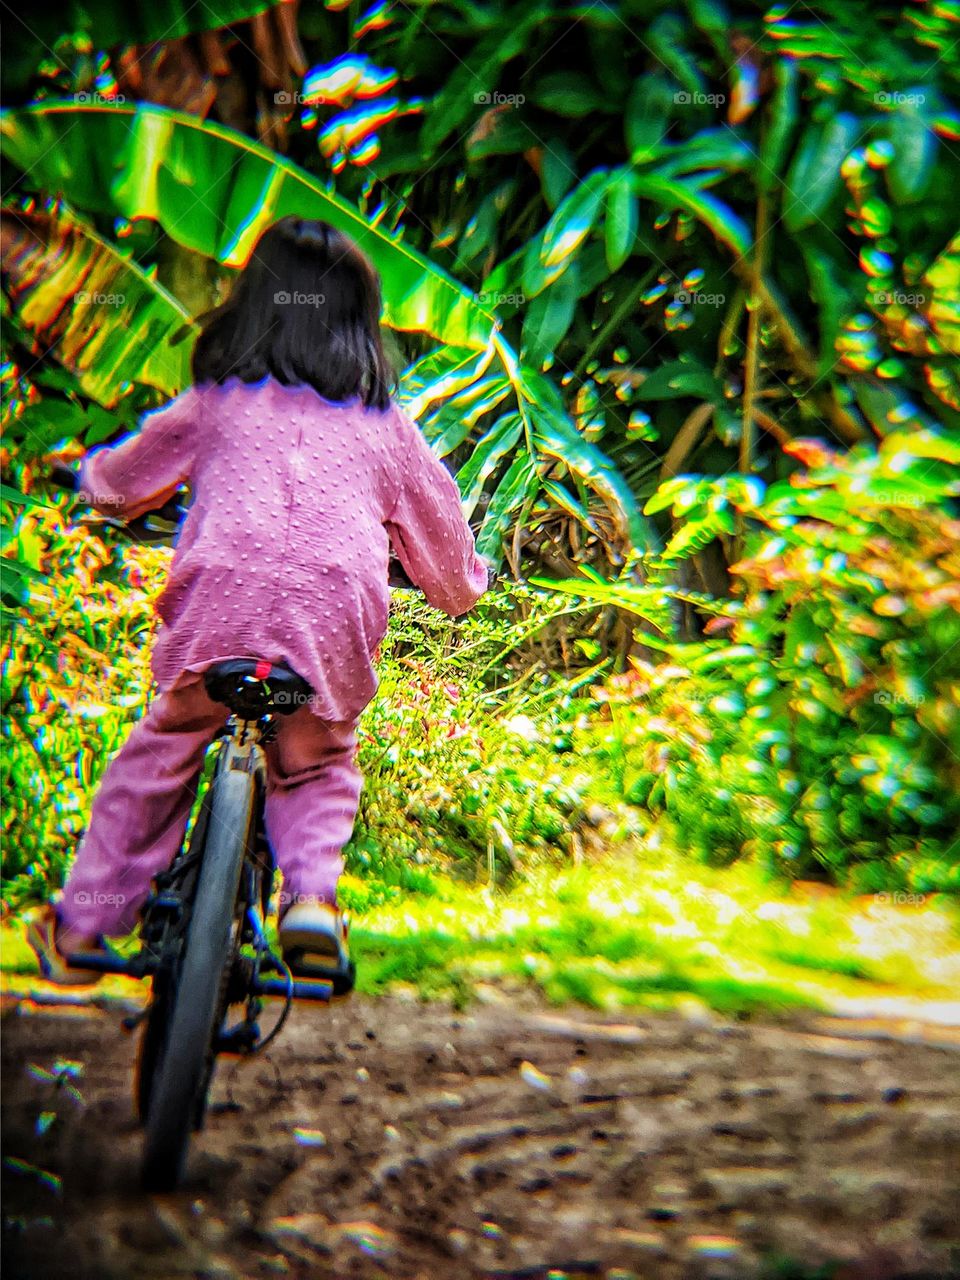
(182, 1071)
(156, 1029)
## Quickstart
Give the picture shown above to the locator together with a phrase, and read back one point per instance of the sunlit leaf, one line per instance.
(104, 318)
(487, 454)
(214, 190)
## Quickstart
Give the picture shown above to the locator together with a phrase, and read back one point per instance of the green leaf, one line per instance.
(708, 149)
(647, 116)
(481, 231)
(214, 190)
(814, 177)
(781, 121)
(439, 375)
(914, 151)
(505, 134)
(679, 378)
(573, 219)
(646, 602)
(555, 436)
(472, 83)
(558, 171)
(561, 498)
(549, 316)
(449, 427)
(620, 224)
(516, 488)
(9, 494)
(669, 194)
(831, 301)
(696, 533)
(106, 320)
(920, 444)
(669, 492)
(667, 36)
(569, 93)
(490, 449)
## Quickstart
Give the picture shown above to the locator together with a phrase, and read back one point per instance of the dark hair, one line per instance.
(306, 309)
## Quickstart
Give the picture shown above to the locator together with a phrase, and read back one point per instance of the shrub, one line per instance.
(822, 735)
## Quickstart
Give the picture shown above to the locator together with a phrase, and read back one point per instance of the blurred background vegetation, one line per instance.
(673, 287)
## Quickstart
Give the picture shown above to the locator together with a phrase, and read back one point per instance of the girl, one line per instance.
(303, 472)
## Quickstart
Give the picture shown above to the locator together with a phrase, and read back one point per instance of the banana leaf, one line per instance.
(214, 190)
(498, 442)
(104, 318)
(516, 488)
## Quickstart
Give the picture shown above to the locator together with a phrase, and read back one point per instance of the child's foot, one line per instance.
(42, 936)
(313, 939)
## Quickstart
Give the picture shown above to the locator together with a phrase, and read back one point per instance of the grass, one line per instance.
(642, 928)
(638, 928)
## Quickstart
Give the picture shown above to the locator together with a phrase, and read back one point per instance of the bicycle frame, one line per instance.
(165, 914)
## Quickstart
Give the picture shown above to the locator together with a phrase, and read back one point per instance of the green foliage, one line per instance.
(449, 760)
(110, 322)
(75, 675)
(136, 162)
(824, 734)
(615, 215)
(460, 771)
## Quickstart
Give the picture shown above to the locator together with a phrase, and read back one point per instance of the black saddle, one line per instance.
(252, 688)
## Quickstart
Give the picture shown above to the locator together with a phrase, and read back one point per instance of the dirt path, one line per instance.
(651, 1147)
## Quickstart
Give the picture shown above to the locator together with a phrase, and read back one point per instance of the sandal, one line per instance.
(42, 939)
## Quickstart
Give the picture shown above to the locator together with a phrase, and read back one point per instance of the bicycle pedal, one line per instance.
(341, 976)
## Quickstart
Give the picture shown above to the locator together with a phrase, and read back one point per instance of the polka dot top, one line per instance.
(283, 553)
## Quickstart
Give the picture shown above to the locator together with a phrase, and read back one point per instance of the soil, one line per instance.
(391, 1138)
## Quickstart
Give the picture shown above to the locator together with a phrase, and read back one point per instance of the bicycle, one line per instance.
(203, 939)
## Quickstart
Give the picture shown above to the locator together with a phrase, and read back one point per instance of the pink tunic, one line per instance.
(283, 554)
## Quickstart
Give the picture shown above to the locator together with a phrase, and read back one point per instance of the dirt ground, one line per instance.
(390, 1138)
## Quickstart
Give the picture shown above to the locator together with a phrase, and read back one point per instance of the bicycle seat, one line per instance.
(252, 688)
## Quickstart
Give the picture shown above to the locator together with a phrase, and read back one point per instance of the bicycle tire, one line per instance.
(153, 1037)
(183, 1073)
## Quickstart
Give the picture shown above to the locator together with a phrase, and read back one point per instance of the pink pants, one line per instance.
(140, 812)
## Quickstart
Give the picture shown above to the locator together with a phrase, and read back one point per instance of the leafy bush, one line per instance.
(75, 675)
(457, 773)
(822, 736)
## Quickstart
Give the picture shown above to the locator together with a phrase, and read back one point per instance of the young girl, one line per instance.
(303, 472)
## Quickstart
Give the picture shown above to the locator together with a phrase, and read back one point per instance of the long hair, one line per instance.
(306, 309)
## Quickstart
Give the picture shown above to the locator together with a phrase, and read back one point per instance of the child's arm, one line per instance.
(146, 468)
(432, 539)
